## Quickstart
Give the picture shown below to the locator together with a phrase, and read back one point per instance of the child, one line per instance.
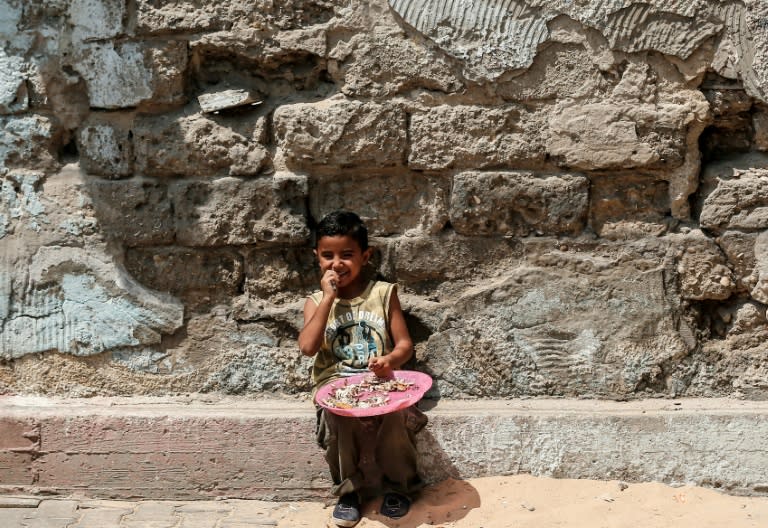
(352, 326)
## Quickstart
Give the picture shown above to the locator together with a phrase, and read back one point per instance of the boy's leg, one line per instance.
(339, 435)
(396, 452)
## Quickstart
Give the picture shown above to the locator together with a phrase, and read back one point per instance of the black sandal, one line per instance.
(347, 511)
(395, 505)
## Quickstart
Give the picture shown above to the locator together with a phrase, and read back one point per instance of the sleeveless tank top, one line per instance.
(357, 329)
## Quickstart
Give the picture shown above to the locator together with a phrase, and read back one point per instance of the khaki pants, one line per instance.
(374, 455)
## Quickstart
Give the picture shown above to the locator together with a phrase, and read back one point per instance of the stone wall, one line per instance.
(572, 196)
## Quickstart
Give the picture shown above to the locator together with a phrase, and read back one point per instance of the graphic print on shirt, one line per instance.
(356, 342)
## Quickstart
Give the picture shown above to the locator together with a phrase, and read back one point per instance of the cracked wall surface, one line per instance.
(571, 195)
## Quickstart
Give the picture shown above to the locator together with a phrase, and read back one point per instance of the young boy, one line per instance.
(353, 325)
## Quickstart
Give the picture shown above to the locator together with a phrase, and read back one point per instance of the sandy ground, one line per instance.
(531, 502)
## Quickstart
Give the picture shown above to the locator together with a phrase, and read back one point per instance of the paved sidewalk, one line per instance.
(520, 501)
(16, 512)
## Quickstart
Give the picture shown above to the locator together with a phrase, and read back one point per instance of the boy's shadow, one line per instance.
(445, 499)
(437, 504)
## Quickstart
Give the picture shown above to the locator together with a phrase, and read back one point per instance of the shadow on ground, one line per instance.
(439, 503)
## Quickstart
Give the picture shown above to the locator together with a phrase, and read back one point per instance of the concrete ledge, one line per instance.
(199, 447)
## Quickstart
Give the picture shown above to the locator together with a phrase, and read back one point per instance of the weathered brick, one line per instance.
(104, 145)
(341, 132)
(738, 202)
(755, 14)
(703, 269)
(187, 271)
(415, 259)
(608, 135)
(16, 469)
(200, 145)
(96, 19)
(518, 203)
(280, 273)
(135, 212)
(126, 74)
(154, 17)
(629, 206)
(389, 204)
(559, 70)
(19, 435)
(376, 67)
(28, 141)
(180, 453)
(229, 211)
(760, 290)
(466, 137)
(760, 127)
(14, 94)
(739, 249)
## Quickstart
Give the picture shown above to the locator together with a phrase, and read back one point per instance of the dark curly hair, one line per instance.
(341, 223)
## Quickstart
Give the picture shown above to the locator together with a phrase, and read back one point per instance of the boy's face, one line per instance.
(342, 254)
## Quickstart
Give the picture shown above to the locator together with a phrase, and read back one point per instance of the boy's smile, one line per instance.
(342, 255)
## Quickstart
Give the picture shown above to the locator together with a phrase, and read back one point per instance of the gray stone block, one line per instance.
(14, 95)
(27, 140)
(96, 19)
(104, 143)
(126, 74)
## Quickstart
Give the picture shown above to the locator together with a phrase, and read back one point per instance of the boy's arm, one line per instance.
(316, 316)
(402, 351)
(311, 336)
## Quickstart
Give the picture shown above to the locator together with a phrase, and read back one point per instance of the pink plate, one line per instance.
(397, 399)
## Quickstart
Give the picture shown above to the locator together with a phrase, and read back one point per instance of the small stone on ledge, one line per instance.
(222, 100)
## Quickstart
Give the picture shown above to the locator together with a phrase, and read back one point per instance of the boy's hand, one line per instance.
(328, 283)
(380, 366)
